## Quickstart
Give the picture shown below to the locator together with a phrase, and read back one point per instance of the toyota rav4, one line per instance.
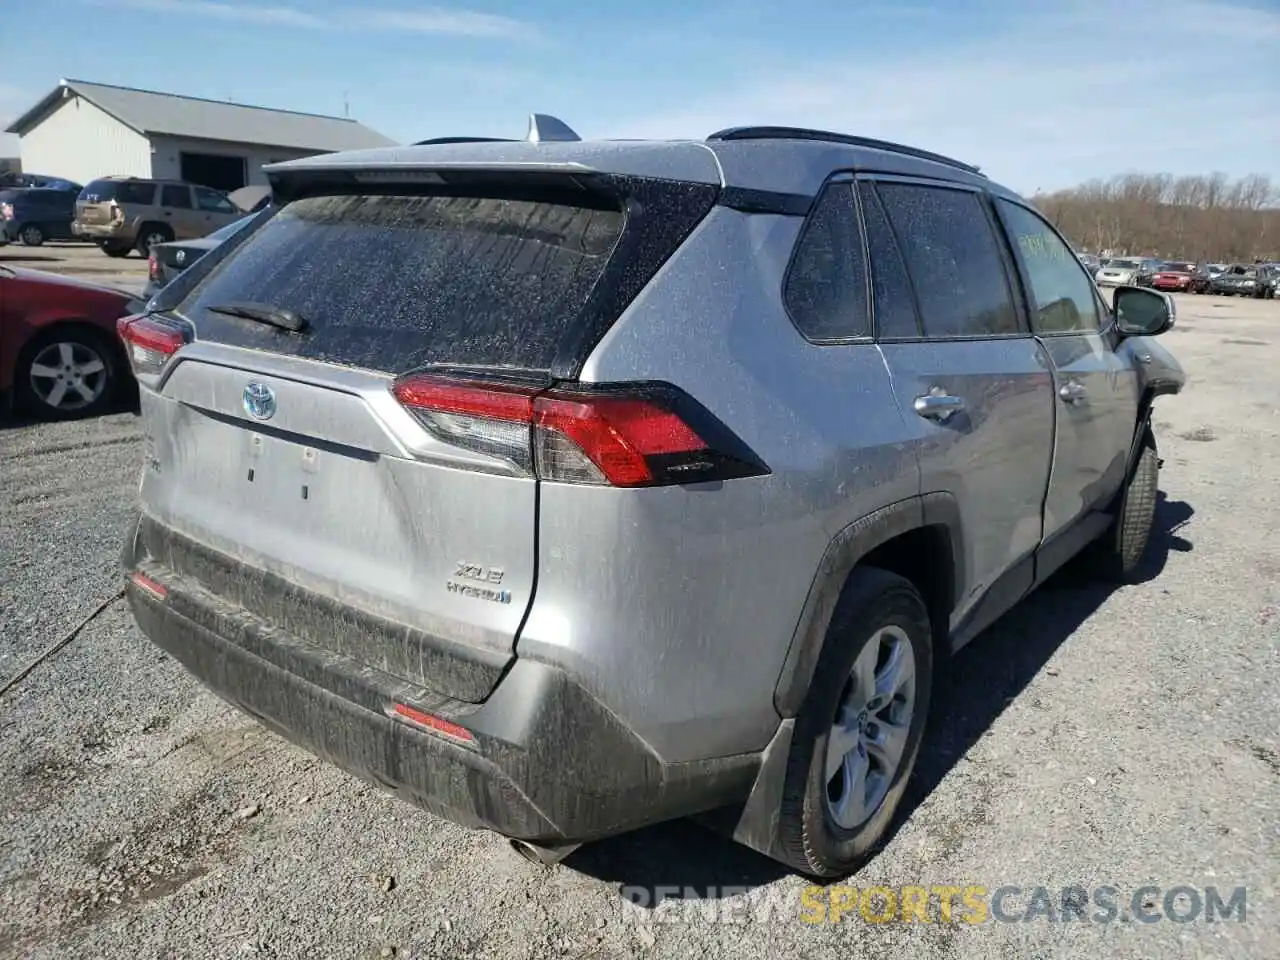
(563, 486)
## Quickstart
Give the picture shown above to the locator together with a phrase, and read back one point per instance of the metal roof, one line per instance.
(792, 166)
(167, 114)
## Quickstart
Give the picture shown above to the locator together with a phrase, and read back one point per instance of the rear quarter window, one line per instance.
(394, 282)
(132, 192)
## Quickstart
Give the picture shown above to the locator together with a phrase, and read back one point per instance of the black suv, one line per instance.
(36, 214)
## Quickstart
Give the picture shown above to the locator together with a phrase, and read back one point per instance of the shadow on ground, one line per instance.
(972, 692)
(125, 402)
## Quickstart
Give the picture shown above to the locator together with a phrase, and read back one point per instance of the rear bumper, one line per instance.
(549, 763)
(99, 231)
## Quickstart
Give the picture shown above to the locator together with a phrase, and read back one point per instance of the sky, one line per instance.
(1041, 95)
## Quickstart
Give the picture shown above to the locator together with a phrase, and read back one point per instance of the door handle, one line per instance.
(938, 405)
(1073, 392)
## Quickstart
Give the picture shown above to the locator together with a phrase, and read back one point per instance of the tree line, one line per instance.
(1207, 218)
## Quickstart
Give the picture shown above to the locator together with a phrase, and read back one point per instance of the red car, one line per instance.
(1179, 276)
(60, 358)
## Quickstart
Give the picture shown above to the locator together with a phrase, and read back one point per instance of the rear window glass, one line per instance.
(121, 191)
(394, 282)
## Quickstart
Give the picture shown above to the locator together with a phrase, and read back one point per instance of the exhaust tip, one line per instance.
(544, 856)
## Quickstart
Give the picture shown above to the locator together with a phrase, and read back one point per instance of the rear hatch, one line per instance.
(101, 201)
(289, 479)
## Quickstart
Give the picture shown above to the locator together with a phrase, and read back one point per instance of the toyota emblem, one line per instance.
(259, 401)
(180, 256)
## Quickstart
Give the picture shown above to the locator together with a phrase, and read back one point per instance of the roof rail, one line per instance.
(440, 140)
(801, 133)
(544, 128)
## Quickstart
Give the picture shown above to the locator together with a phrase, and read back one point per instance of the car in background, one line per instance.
(167, 260)
(1147, 272)
(121, 214)
(1119, 272)
(1238, 280)
(35, 180)
(1181, 276)
(32, 215)
(1090, 262)
(1269, 280)
(59, 356)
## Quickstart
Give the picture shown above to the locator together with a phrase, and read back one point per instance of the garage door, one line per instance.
(218, 171)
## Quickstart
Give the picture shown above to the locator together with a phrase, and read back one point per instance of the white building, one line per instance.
(80, 131)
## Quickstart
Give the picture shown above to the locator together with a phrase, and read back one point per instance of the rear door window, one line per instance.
(954, 260)
(394, 282)
(176, 196)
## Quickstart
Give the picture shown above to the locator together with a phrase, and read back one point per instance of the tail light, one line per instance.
(153, 267)
(117, 215)
(626, 435)
(150, 342)
(6, 211)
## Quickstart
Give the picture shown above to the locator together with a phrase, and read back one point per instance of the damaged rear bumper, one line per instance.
(549, 763)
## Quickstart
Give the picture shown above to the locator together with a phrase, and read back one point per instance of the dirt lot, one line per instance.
(1091, 738)
(79, 259)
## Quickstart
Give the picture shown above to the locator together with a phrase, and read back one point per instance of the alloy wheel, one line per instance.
(68, 375)
(873, 721)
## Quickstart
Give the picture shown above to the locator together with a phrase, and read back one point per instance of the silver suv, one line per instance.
(564, 487)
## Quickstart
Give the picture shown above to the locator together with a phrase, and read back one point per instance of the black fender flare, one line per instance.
(846, 549)
(756, 822)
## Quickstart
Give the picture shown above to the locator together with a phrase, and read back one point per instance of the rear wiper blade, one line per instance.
(273, 316)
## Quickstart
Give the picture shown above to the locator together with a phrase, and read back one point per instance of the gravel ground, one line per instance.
(1092, 737)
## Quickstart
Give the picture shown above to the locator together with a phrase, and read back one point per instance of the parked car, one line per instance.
(59, 356)
(1268, 280)
(470, 481)
(34, 215)
(1181, 276)
(1238, 280)
(1147, 272)
(1120, 272)
(35, 180)
(121, 214)
(167, 260)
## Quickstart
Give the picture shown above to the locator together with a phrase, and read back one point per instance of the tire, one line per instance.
(150, 235)
(31, 234)
(1121, 549)
(115, 250)
(66, 373)
(875, 607)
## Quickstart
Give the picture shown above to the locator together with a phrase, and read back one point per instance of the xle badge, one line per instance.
(479, 575)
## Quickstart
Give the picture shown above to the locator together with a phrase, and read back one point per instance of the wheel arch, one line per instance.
(919, 538)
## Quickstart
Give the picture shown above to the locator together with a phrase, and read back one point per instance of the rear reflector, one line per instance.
(149, 342)
(626, 435)
(157, 590)
(431, 722)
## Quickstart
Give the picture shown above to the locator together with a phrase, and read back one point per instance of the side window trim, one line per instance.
(1104, 309)
(870, 183)
(1007, 266)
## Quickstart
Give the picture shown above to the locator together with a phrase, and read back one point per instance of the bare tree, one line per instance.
(1208, 217)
